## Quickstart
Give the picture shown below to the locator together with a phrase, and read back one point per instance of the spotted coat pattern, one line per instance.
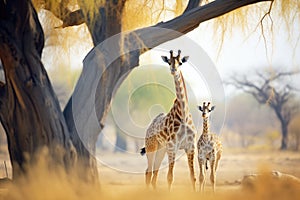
(168, 133)
(209, 149)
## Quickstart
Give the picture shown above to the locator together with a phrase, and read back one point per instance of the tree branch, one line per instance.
(262, 26)
(192, 4)
(292, 88)
(190, 20)
(260, 93)
(62, 12)
(72, 19)
(281, 74)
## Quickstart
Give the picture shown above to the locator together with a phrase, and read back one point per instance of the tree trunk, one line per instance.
(284, 133)
(284, 123)
(29, 110)
(121, 144)
(84, 132)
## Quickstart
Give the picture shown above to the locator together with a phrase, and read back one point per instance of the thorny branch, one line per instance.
(268, 13)
(264, 92)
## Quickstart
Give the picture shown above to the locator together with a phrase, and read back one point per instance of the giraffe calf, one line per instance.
(209, 148)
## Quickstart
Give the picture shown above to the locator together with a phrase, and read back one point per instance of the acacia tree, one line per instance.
(273, 89)
(29, 109)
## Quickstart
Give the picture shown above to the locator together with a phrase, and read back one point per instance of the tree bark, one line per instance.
(84, 132)
(284, 123)
(284, 133)
(30, 112)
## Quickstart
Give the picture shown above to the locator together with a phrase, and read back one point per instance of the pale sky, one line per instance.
(239, 53)
(244, 52)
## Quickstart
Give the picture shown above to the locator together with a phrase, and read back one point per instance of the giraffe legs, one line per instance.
(171, 157)
(151, 147)
(150, 159)
(190, 156)
(159, 156)
(217, 160)
(213, 173)
(202, 173)
(214, 166)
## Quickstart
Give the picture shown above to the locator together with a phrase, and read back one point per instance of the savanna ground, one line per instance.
(121, 185)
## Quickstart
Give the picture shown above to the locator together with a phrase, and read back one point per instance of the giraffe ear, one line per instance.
(184, 59)
(165, 59)
(212, 108)
(200, 108)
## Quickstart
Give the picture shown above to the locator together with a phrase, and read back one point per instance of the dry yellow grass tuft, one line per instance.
(51, 188)
(44, 183)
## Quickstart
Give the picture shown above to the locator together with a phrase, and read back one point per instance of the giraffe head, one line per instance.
(206, 109)
(174, 61)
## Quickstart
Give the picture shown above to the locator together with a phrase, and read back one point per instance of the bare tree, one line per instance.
(273, 89)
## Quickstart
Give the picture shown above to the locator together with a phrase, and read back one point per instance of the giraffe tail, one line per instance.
(143, 151)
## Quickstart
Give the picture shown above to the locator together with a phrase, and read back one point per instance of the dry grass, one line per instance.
(117, 185)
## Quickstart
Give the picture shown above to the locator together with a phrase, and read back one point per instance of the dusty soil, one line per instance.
(116, 184)
(233, 167)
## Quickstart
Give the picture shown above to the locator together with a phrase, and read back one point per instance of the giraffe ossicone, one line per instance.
(170, 132)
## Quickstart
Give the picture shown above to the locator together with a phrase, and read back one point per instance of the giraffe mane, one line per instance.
(184, 87)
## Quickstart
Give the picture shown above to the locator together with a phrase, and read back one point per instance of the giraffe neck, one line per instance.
(205, 125)
(181, 94)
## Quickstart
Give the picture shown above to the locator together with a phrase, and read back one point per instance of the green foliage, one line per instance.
(146, 92)
(63, 81)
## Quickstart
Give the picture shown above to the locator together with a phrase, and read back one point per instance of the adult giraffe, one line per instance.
(172, 131)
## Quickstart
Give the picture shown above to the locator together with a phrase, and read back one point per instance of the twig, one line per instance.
(262, 26)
